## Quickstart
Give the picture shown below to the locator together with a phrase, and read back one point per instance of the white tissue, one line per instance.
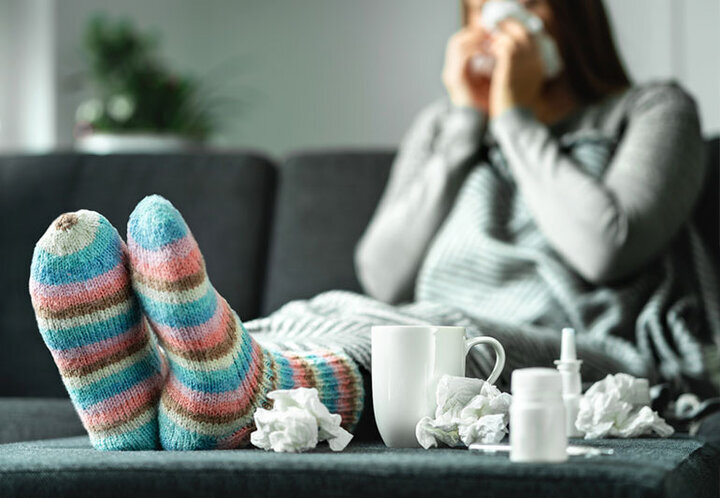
(468, 410)
(494, 12)
(297, 422)
(617, 406)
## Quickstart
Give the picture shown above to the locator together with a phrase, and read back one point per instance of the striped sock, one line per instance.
(218, 373)
(91, 322)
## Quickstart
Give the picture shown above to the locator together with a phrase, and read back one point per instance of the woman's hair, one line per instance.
(591, 60)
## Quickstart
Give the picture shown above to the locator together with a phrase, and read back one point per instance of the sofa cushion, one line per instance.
(226, 200)
(27, 419)
(324, 202)
(707, 211)
(677, 467)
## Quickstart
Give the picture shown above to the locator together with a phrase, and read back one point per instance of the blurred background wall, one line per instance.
(28, 74)
(316, 73)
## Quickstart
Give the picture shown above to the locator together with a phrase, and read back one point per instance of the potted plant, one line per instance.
(139, 105)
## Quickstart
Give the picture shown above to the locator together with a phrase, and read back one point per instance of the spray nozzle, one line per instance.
(567, 346)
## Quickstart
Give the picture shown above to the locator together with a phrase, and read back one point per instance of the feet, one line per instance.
(89, 319)
(218, 373)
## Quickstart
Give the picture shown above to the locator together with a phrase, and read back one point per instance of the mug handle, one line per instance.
(499, 354)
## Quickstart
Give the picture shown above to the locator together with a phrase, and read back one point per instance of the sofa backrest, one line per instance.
(707, 211)
(226, 199)
(324, 202)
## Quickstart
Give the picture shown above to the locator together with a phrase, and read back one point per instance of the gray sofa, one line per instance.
(270, 233)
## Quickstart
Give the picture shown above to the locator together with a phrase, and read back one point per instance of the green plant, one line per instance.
(134, 90)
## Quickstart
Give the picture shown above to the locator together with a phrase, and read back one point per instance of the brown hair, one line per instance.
(585, 40)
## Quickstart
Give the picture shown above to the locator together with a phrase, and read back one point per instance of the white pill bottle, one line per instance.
(537, 416)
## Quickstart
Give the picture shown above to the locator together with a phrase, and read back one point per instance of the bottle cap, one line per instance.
(536, 383)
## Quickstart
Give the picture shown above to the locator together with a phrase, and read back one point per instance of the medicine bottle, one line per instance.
(537, 416)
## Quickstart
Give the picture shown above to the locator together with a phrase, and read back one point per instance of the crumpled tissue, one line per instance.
(297, 422)
(468, 410)
(618, 406)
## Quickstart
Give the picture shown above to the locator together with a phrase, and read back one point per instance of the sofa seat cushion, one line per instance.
(677, 467)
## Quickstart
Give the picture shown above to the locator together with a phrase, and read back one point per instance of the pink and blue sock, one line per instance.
(91, 322)
(218, 373)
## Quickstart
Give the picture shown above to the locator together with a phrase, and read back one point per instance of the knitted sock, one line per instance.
(218, 373)
(91, 322)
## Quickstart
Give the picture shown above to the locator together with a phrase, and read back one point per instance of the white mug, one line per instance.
(407, 363)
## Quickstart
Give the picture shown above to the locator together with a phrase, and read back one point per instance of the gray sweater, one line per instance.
(603, 229)
(581, 223)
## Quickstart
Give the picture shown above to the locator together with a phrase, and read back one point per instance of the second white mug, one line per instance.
(407, 363)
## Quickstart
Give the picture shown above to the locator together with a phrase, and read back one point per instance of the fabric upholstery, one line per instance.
(679, 467)
(225, 198)
(324, 202)
(707, 211)
(27, 419)
(709, 430)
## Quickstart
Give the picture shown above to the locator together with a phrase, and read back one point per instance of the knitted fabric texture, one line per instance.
(649, 321)
(218, 373)
(89, 319)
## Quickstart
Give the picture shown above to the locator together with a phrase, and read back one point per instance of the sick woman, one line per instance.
(522, 201)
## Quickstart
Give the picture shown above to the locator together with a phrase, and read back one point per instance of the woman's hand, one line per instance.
(465, 87)
(518, 74)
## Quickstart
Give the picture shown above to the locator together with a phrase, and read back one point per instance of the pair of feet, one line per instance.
(104, 307)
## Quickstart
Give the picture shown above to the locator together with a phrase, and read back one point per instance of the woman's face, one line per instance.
(540, 8)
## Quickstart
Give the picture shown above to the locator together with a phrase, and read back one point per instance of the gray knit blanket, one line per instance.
(490, 269)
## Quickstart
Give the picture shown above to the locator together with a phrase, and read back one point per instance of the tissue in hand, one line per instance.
(617, 406)
(468, 410)
(496, 11)
(296, 422)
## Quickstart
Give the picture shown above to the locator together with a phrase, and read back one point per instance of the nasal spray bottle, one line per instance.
(569, 367)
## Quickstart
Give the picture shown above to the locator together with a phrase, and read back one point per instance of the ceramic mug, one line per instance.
(407, 363)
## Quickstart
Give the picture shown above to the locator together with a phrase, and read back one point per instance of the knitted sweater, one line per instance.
(582, 223)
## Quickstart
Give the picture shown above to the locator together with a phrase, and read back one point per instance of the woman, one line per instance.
(515, 207)
(553, 203)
